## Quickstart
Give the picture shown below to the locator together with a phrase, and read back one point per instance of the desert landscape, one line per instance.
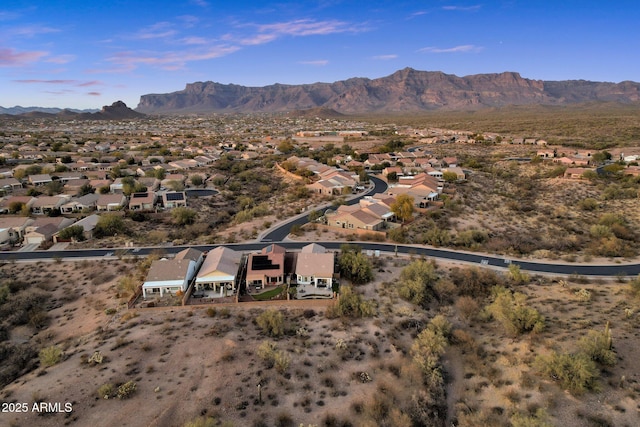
(351, 362)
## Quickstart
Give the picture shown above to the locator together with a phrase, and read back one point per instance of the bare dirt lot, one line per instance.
(190, 362)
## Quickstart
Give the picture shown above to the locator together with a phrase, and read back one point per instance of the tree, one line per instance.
(577, 372)
(86, 189)
(351, 304)
(403, 207)
(286, 146)
(175, 185)
(183, 216)
(75, 232)
(416, 282)
(196, 180)
(109, 225)
(449, 176)
(392, 176)
(54, 187)
(354, 265)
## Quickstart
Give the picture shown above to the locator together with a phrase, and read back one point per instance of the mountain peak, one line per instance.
(405, 90)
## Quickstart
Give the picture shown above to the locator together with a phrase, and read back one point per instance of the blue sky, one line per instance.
(86, 54)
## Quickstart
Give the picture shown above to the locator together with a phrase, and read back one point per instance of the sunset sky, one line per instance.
(86, 54)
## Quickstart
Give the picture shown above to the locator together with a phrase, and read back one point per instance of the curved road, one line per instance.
(278, 233)
(281, 231)
(436, 253)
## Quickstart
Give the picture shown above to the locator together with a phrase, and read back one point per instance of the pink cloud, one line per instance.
(170, 61)
(94, 93)
(14, 58)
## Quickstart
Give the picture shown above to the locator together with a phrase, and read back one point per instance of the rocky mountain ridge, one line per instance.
(406, 90)
(116, 111)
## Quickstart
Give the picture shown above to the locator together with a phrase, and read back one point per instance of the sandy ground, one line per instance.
(188, 363)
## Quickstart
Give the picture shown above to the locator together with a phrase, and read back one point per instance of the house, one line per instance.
(40, 179)
(85, 203)
(74, 186)
(88, 224)
(266, 268)
(142, 201)
(174, 199)
(315, 266)
(40, 235)
(46, 204)
(219, 271)
(169, 276)
(358, 219)
(575, 173)
(110, 202)
(13, 229)
(12, 202)
(458, 171)
(10, 184)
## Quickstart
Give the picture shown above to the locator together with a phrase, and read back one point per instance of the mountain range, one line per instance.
(116, 111)
(22, 110)
(406, 90)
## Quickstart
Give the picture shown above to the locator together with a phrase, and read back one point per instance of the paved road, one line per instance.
(443, 254)
(280, 231)
(278, 234)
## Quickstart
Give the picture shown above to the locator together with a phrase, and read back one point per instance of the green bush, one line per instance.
(576, 372)
(126, 390)
(272, 322)
(416, 282)
(350, 304)
(106, 391)
(50, 356)
(598, 346)
(511, 311)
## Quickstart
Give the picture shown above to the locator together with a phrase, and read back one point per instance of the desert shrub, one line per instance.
(598, 231)
(106, 391)
(539, 419)
(634, 287)
(576, 372)
(281, 361)
(272, 322)
(350, 304)
(469, 238)
(183, 216)
(517, 276)
(126, 390)
(511, 311)
(50, 356)
(269, 353)
(202, 422)
(467, 307)
(473, 281)
(416, 282)
(588, 204)
(598, 345)
(428, 347)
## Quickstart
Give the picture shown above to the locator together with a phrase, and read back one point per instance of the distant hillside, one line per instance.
(22, 110)
(407, 90)
(116, 111)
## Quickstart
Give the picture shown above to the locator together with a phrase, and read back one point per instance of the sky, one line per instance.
(86, 54)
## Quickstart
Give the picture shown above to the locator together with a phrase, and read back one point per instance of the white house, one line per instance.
(219, 271)
(168, 276)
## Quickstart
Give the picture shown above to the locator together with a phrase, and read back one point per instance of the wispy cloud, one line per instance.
(462, 8)
(61, 59)
(128, 61)
(384, 57)
(30, 31)
(307, 27)
(77, 83)
(266, 33)
(193, 40)
(201, 3)
(8, 16)
(418, 13)
(13, 58)
(94, 93)
(317, 63)
(456, 49)
(159, 30)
